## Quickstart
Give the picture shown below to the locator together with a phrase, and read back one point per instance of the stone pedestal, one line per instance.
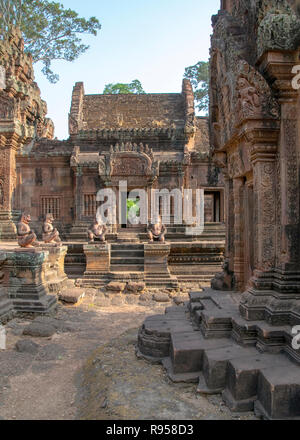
(97, 264)
(6, 308)
(8, 230)
(54, 267)
(157, 273)
(27, 288)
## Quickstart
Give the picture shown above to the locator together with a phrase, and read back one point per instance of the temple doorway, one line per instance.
(130, 211)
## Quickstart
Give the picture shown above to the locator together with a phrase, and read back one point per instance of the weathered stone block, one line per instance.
(136, 288)
(25, 282)
(97, 258)
(157, 273)
(114, 286)
(278, 393)
(72, 295)
(161, 297)
(54, 267)
(39, 330)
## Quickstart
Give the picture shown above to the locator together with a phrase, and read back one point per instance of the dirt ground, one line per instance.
(88, 370)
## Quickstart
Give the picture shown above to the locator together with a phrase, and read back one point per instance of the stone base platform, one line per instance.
(208, 342)
(25, 281)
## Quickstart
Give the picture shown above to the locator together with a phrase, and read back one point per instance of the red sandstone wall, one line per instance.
(133, 111)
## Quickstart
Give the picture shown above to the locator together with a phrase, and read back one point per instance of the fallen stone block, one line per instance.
(178, 300)
(114, 286)
(26, 346)
(278, 393)
(146, 297)
(161, 297)
(71, 296)
(136, 288)
(39, 330)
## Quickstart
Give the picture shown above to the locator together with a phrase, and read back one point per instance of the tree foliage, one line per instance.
(135, 87)
(50, 32)
(199, 77)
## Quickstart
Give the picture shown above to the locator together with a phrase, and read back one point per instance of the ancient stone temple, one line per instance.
(151, 141)
(22, 118)
(247, 348)
(147, 142)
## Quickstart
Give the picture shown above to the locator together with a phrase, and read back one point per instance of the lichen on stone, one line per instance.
(278, 31)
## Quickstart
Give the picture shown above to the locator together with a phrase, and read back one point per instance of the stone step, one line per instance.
(248, 378)
(278, 394)
(242, 386)
(161, 281)
(179, 377)
(187, 350)
(127, 268)
(155, 335)
(215, 365)
(128, 260)
(126, 275)
(127, 247)
(127, 253)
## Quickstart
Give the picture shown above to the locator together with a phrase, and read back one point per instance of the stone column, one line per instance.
(238, 194)
(26, 283)
(8, 148)
(263, 158)
(278, 66)
(78, 196)
(249, 234)
(264, 187)
(274, 295)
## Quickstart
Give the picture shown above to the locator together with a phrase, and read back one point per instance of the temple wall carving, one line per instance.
(255, 124)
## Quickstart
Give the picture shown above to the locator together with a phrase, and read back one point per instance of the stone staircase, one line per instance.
(127, 257)
(252, 364)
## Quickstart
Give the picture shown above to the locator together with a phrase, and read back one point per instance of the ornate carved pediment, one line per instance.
(253, 96)
(129, 160)
(239, 92)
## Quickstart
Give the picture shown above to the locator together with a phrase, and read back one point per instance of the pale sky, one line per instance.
(152, 41)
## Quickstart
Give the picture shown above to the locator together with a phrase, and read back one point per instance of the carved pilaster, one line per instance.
(264, 187)
(278, 66)
(238, 193)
